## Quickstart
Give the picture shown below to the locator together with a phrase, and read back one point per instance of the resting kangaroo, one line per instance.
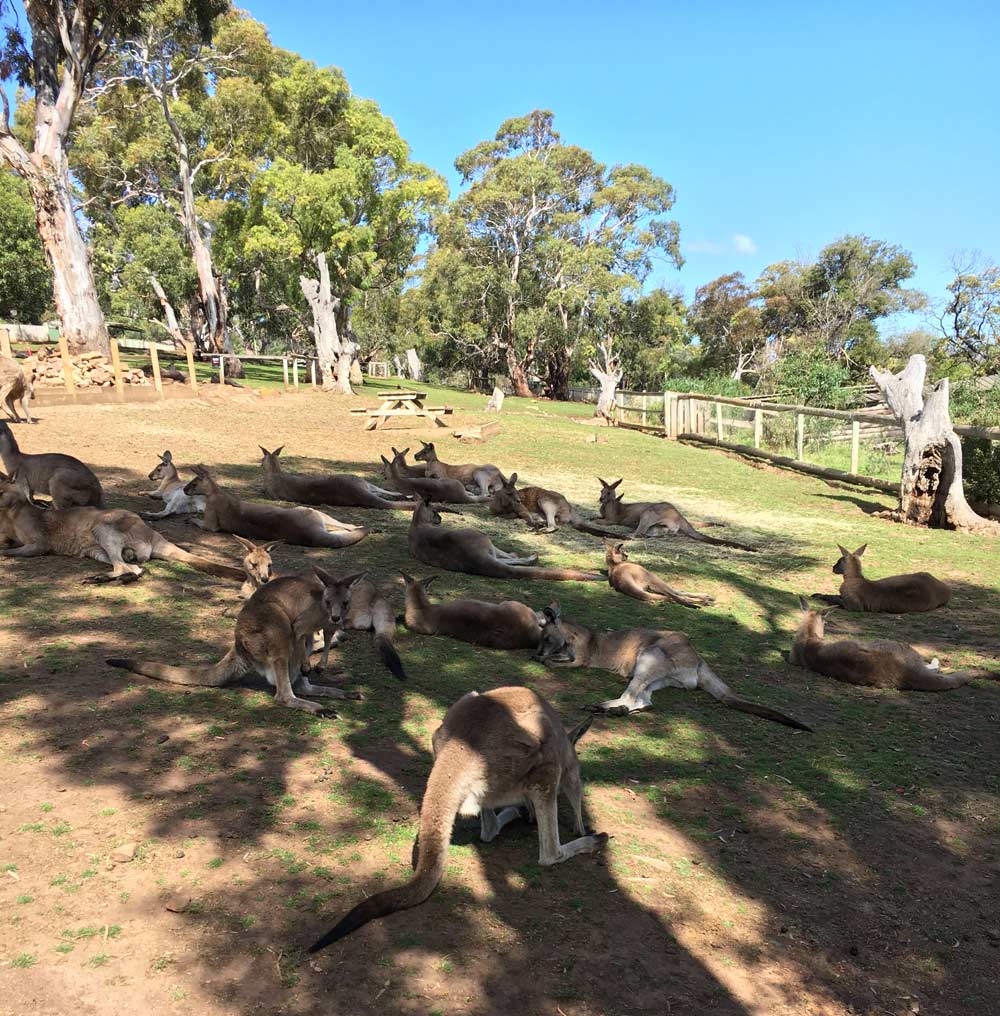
(171, 491)
(445, 491)
(273, 638)
(304, 527)
(496, 750)
(486, 477)
(470, 551)
(880, 664)
(653, 518)
(635, 581)
(898, 594)
(507, 625)
(111, 535)
(16, 385)
(343, 490)
(540, 508)
(651, 659)
(65, 479)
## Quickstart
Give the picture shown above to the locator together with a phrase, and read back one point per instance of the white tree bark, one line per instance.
(168, 312)
(398, 364)
(416, 367)
(930, 490)
(608, 375)
(334, 354)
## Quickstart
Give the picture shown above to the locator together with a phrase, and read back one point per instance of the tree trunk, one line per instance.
(930, 490)
(168, 312)
(518, 375)
(398, 364)
(608, 377)
(334, 354)
(416, 367)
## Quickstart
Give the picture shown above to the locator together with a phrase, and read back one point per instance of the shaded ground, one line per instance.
(751, 870)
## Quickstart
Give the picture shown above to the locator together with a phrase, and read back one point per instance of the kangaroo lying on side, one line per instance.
(653, 518)
(111, 535)
(65, 479)
(650, 659)
(446, 491)
(507, 625)
(496, 750)
(880, 664)
(343, 490)
(486, 477)
(635, 581)
(16, 385)
(470, 551)
(542, 509)
(898, 594)
(171, 491)
(304, 527)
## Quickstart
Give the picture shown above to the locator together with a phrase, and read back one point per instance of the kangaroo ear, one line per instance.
(324, 576)
(426, 444)
(263, 449)
(511, 481)
(861, 550)
(408, 579)
(615, 485)
(826, 613)
(552, 611)
(270, 546)
(602, 483)
(844, 552)
(166, 457)
(248, 544)
(385, 461)
(404, 452)
(352, 580)
(277, 451)
(804, 603)
(395, 450)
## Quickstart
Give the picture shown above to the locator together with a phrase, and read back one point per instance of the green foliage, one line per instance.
(25, 280)
(806, 377)
(708, 384)
(981, 469)
(970, 321)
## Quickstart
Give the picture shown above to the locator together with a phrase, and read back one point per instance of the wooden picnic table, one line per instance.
(399, 404)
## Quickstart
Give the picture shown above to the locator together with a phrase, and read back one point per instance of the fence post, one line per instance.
(284, 367)
(666, 415)
(855, 439)
(192, 380)
(154, 359)
(644, 409)
(758, 426)
(5, 349)
(295, 373)
(800, 436)
(675, 403)
(67, 363)
(620, 406)
(116, 364)
(312, 369)
(718, 420)
(222, 372)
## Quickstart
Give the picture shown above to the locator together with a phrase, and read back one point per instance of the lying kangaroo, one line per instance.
(542, 509)
(419, 471)
(880, 664)
(496, 750)
(16, 385)
(651, 659)
(171, 491)
(507, 625)
(342, 490)
(486, 477)
(273, 638)
(65, 479)
(446, 491)
(898, 594)
(111, 535)
(635, 581)
(653, 518)
(304, 527)
(367, 611)
(470, 551)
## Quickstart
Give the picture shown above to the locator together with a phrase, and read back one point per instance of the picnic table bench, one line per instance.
(401, 404)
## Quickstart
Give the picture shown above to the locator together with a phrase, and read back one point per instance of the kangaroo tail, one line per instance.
(227, 669)
(586, 527)
(167, 551)
(403, 506)
(715, 541)
(553, 574)
(709, 681)
(580, 729)
(389, 656)
(347, 538)
(437, 818)
(934, 680)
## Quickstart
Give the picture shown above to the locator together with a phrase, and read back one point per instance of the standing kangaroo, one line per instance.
(111, 535)
(65, 479)
(653, 518)
(273, 638)
(486, 477)
(343, 490)
(16, 385)
(447, 491)
(879, 664)
(497, 750)
(171, 491)
(303, 527)
(540, 508)
(470, 551)
(507, 625)
(650, 659)
(635, 581)
(898, 594)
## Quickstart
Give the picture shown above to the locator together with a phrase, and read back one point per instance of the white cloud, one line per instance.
(738, 243)
(743, 244)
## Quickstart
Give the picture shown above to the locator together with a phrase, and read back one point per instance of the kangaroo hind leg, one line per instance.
(550, 850)
(276, 671)
(492, 822)
(115, 549)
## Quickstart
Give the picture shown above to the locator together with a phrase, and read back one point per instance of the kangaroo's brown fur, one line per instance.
(470, 551)
(542, 509)
(501, 749)
(635, 581)
(507, 625)
(64, 478)
(446, 491)
(304, 527)
(650, 659)
(273, 638)
(16, 385)
(486, 477)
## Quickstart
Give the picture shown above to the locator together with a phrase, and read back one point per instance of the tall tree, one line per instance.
(970, 318)
(726, 317)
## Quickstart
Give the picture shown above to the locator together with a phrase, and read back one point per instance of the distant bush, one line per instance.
(708, 384)
(809, 378)
(981, 469)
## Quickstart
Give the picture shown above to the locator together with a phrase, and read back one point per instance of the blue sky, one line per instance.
(781, 125)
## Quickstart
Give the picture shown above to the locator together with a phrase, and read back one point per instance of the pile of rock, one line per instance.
(90, 370)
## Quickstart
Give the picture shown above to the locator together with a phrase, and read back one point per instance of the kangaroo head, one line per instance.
(425, 513)
(163, 467)
(555, 646)
(270, 459)
(849, 563)
(813, 622)
(416, 588)
(614, 552)
(608, 492)
(336, 592)
(203, 483)
(426, 453)
(506, 500)
(257, 562)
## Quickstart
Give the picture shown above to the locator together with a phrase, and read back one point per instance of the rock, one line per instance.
(124, 853)
(178, 903)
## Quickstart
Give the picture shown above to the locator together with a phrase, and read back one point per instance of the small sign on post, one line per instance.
(116, 366)
(154, 359)
(192, 378)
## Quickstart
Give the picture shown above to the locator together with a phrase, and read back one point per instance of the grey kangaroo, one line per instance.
(635, 581)
(542, 509)
(64, 478)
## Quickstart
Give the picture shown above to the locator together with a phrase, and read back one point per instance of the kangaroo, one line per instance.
(446, 491)
(171, 491)
(507, 625)
(650, 659)
(659, 518)
(635, 581)
(65, 479)
(342, 490)
(470, 551)
(486, 477)
(542, 509)
(303, 527)
(898, 594)
(495, 750)
(273, 638)
(419, 471)
(111, 535)
(16, 385)
(879, 664)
